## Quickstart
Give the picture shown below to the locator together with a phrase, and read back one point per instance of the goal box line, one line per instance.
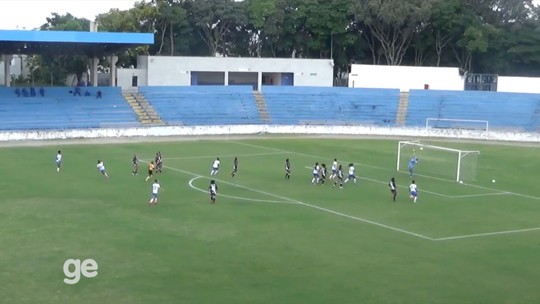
(419, 144)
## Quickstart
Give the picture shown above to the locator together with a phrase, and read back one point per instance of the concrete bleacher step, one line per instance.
(403, 107)
(142, 108)
(151, 114)
(261, 106)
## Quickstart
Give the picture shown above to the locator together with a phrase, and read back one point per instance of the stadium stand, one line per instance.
(505, 111)
(59, 109)
(220, 105)
(203, 105)
(331, 105)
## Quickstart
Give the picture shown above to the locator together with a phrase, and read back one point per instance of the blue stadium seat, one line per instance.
(59, 109)
(204, 105)
(510, 111)
(331, 105)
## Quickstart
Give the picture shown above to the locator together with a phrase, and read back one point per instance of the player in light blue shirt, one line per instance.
(412, 163)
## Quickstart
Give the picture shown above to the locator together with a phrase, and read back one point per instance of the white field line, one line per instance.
(484, 234)
(236, 197)
(481, 194)
(380, 168)
(400, 186)
(434, 193)
(306, 204)
(213, 156)
(505, 192)
(292, 201)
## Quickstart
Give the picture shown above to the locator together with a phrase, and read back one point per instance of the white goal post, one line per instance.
(438, 162)
(472, 125)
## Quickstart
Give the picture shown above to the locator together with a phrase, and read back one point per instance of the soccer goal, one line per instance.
(479, 127)
(438, 162)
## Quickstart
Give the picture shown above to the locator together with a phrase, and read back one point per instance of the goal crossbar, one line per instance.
(470, 125)
(460, 154)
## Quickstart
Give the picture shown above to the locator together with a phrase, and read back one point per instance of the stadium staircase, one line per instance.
(145, 112)
(403, 107)
(261, 106)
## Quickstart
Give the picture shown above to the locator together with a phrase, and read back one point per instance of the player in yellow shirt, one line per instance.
(151, 168)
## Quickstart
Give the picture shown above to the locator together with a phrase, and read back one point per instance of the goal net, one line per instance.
(478, 127)
(438, 162)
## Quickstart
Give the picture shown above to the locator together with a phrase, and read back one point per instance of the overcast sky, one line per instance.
(30, 14)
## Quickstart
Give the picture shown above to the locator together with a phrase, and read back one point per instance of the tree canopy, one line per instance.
(490, 36)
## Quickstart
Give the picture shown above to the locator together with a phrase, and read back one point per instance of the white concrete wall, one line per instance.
(175, 71)
(264, 129)
(124, 77)
(405, 77)
(518, 84)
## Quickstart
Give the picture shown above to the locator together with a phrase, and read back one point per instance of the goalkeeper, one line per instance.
(412, 163)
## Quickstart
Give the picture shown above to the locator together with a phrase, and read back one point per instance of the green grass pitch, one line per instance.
(268, 240)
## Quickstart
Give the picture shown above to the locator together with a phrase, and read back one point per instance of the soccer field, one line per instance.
(267, 239)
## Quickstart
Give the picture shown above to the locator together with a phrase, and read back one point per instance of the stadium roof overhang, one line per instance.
(92, 44)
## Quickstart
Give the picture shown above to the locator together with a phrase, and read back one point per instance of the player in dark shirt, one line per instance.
(235, 167)
(159, 162)
(323, 174)
(339, 177)
(213, 189)
(135, 165)
(287, 169)
(393, 188)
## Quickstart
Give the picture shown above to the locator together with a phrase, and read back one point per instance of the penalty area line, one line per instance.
(293, 201)
(457, 237)
(384, 169)
(481, 194)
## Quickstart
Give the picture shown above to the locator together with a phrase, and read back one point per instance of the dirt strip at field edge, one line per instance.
(149, 139)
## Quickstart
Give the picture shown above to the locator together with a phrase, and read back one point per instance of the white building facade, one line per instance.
(408, 78)
(186, 71)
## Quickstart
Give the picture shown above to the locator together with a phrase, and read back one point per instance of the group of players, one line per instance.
(413, 188)
(319, 175)
(320, 172)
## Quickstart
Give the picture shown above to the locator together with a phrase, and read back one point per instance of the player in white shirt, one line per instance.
(413, 189)
(351, 174)
(315, 179)
(155, 193)
(213, 189)
(334, 169)
(58, 161)
(101, 168)
(215, 167)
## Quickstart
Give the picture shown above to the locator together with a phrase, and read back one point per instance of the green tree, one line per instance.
(69, 63)
(214, 20)
(393, 24)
